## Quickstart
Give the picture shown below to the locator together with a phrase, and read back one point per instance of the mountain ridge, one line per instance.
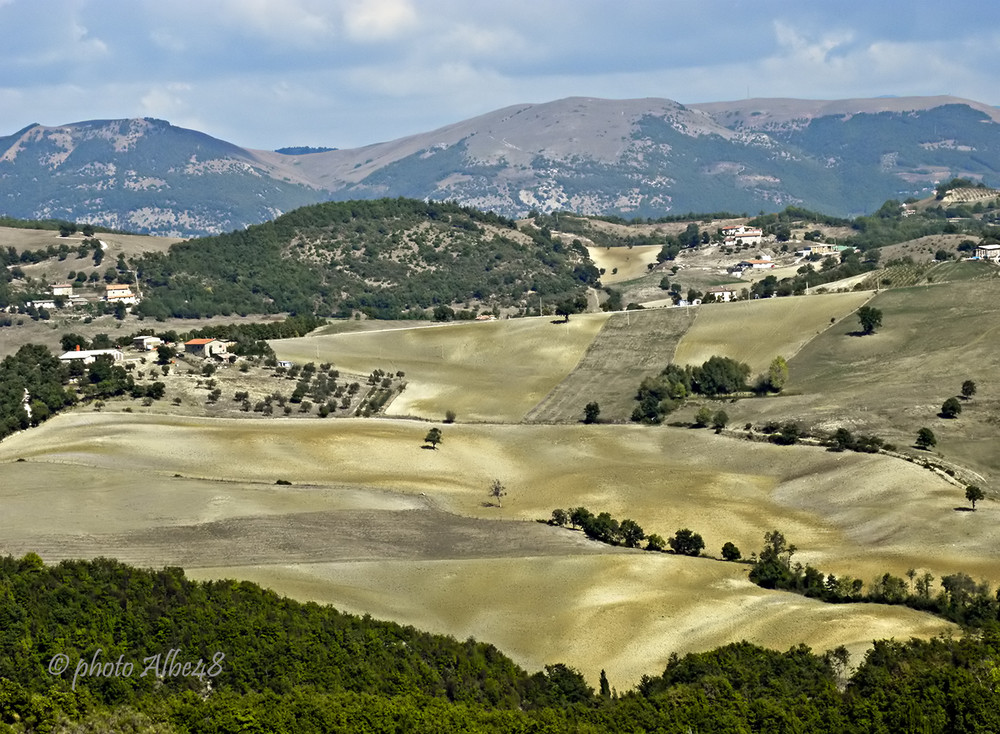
(644, 157)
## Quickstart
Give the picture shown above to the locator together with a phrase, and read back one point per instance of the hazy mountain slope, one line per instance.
(141, 175)
(639, 157)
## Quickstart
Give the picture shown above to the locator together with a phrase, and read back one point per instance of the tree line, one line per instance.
(304, 668)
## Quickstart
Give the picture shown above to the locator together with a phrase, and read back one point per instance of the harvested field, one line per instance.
(630, 347)
(756, 332)
(490, 371)
(373, 523)
(624, 613)
(631, 262)
(849, 513)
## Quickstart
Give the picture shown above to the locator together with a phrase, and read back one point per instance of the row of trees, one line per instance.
(606, 529)
(960, 598)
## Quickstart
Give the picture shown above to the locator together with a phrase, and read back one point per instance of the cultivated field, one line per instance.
(373, 522)
(487, 371)
(630, 347)
(631, 262)
(622, 613)
(756, 332)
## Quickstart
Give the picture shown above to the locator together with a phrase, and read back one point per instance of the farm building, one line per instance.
(205, 347)
(754, 265)
(988, 252)
(722, 293)
(120, 294)
(146, 343)
(62, 289)
(88, 356)
(820, 249)
(742, 235)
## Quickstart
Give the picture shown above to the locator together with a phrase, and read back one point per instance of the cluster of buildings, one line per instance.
(205, 348)
(113, 294)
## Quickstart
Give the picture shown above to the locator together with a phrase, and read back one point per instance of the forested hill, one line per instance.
(388, 258)
(93, 646)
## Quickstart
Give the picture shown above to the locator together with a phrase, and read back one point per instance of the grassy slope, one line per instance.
(756, 331)
(492, 371)
(630, 261)
(630, 347)
(894, 381)
(104, 481)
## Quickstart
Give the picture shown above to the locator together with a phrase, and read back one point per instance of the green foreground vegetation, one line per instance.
(269, 664)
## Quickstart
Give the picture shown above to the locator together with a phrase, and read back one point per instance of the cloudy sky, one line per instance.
(345, 73)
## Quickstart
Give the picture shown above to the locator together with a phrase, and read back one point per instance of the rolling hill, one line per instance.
(636, 158)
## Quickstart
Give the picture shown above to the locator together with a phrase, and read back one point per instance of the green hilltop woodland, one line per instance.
(401, 258)
(294, 667)
(388, 258)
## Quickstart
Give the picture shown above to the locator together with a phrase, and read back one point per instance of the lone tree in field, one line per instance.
(951, 408)
(870, 318)
(433, 437)
(497, 491)
(974, 494)
(926, 439)
(590, 412)
(730, 552)
(968, 389)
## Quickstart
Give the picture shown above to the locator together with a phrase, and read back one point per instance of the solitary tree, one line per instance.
(926, 439)
(719, 421)
(968, 389)
(433, 437)
(870, 318)
(590, 412)
(497, 491)
(974, 494)
(449, 416)
(951, 408)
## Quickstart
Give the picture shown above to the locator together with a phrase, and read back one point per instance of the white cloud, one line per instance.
(378, 20)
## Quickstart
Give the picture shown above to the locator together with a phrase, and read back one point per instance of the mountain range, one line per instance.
(632, 158)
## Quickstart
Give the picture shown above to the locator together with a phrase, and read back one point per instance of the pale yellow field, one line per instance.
(624, 614)
(489, 371)
(631, 261)
(375, 523)
(756, 332)
(848, 513)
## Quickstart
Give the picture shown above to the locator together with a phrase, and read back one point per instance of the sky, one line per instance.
(346, 73)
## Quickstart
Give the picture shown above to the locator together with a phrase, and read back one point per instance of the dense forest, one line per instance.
(269, 664)
(388, 258)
